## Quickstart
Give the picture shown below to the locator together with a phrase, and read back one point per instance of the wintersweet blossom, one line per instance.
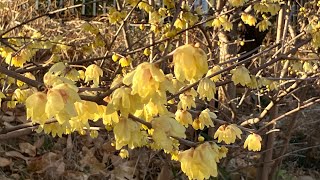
(228, 134)
(236, 3)
(206, 89)
(127, 132)
(93, 72)
(164, 127)
(240, 75)
(190, 63)
(200, 162)
(253, 142)
(150, 75)
(183, 117)
(205, 119)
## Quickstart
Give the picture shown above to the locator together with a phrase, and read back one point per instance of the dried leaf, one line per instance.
(48, 162)
(69, 142)
(125, 170)
(91, 161)
(38, 144)
(165, 173)
(28, 149)
(5, 162)
(16, 154)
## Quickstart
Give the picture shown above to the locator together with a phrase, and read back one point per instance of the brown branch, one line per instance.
(40, 86)
(17, 133)
(313, 101)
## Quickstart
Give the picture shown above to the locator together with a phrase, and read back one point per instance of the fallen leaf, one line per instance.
(2, 177)
(91, 161)
(48, 162)
(165, 173)
(125, 170)
(69, 143)
(38, 144)
(16, 154)
(5, 162)
(28, 149)
(15, 176)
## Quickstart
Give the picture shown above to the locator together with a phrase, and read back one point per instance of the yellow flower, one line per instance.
(180, 24)
(254, 83)
(115, 57)
(125, 61)
(174, 155)
(199, 163)
(274, 9)
(147, 52)
(240, 75)
(205, 119)
(296, 66)
(127, 132)
(253, 142)
(172, 84)
(222, 152)
(82, 74)
(87, 27)
(94, 134)
(124, 153)
(169, 3)
(227, 26)
(236, 3)
(86, 110)
(222, 21)
(22, 57)
(213, 70)
(93, 72)
(115, 16)
(187, 100)
(36, 105)
(11, 104)
(164, 127)
(248, 19)
(151, 110)
(201, 139)
(162, 11)
(150, 75)
(73, 75)
(228, 134)
(21, 95)
(206, 89)
(216, 23)
(110, 118)
(1, 97)
(121, 99)
(184, 117)
(263, 25)
(60, 102)
(54, 129)
(190, 63)
(117, 81)
(307, 67)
